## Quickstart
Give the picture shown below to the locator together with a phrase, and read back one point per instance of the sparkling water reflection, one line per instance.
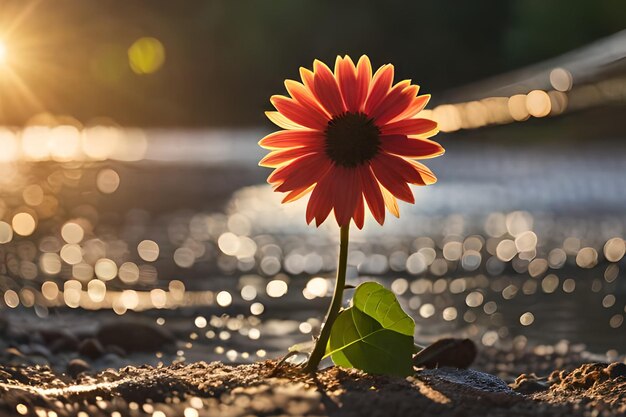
(509, 248)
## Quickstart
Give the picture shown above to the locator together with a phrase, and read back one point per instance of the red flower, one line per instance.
(349, 136)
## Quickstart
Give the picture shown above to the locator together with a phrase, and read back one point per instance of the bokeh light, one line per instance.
(561, 79)
(517, 107)
(82, 228)
(107, 181)
(8, 141)
(129, 272)
(6, 232)
(146, 55)
(24, 224)
(148, 250)
(105, 269)
(538, 103)
(72, 232)
(33, 195)
(224, 298)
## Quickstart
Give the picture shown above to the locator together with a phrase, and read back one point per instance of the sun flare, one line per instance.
(3, 52)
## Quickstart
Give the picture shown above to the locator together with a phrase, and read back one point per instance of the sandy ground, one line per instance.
(47, 371)
(214, 389)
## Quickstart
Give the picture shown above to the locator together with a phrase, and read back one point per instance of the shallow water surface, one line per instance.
(512, 246)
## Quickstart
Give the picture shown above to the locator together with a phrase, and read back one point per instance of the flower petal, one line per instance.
(277, 158)
(363, 79)
(397, 101)
(417, 105)
(320, 203)
(372, 193)
(304, 96)
(409, 171)
(297, 194)
(326, 89)
(345, 72)
(346, 191)
(427, 176)
(307, 78)
(292, 139)
(392, 177)
(409, 127)
(302, 172)
(410, 148)
(381, 83)
(281, 121)
(359, 212)
(298, 113)
(390, 202)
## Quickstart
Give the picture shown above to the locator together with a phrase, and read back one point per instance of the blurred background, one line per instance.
(130, 193)
(215, 63)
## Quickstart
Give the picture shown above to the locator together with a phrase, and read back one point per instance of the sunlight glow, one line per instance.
(3, 52)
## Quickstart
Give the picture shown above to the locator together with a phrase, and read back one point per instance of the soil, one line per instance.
(81, 371)
(215, 389)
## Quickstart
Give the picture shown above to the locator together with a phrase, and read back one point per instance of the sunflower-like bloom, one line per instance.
(349, 136)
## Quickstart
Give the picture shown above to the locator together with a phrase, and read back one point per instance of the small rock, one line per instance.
(40, 350)
(134, 336)
(528, 384)
(13, 352)
(468, 379)
(111, 359)
(91, 348)
(110, 374)
(448, 352)
(77, 366)
(59, 340)
(64, 345)
(616, 370)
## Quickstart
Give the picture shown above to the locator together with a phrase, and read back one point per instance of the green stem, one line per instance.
(335, 304)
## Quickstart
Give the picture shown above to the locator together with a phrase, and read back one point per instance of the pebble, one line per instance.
(469, 378)
(59, 340)
(450, 352)
(528, 384)
(13, 352)
(77, 366)
(110, 373)
(616, 370)
(91, 348)
(40, 350)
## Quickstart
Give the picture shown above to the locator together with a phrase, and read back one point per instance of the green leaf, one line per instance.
(381, 304)
(374, 335)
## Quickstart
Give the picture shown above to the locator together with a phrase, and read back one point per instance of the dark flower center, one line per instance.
(352, 139)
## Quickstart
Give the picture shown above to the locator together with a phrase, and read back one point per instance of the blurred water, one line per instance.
(514, 244)
(473, 177)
